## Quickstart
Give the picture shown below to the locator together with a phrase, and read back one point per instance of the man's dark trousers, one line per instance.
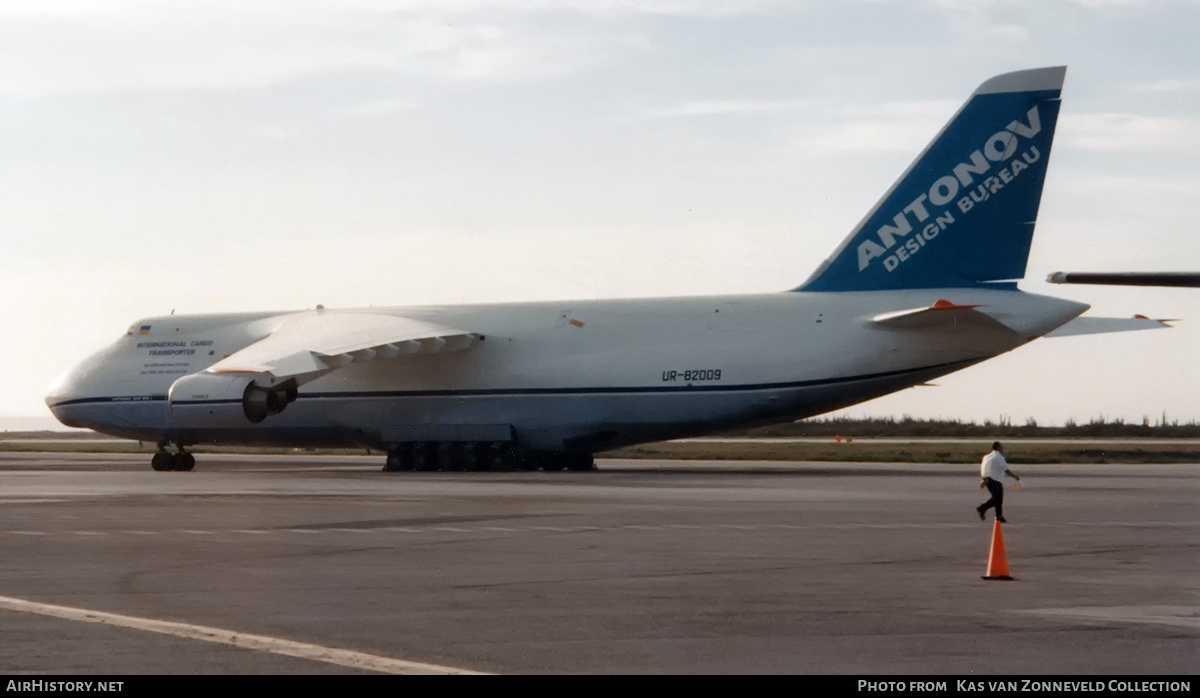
(997, 491)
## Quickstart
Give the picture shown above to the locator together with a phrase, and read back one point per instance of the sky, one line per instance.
(226, 155)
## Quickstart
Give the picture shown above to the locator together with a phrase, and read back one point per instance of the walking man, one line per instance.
(992, 470)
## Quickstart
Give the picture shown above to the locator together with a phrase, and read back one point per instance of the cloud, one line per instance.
(1162, 195)
(1172, 85)
(728, 107)
(890, 127)
(1008, 5)
(134, 46)
(50, 49)
(1129, 132)
(677, 8)
(381, 107)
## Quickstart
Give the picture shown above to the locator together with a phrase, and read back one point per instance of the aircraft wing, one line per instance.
(1100, 325)
(1181, 279)
(305, 346)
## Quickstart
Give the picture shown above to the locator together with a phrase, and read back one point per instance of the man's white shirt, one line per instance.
(993, 466)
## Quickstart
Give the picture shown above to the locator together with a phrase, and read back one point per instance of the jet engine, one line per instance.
(228, 399)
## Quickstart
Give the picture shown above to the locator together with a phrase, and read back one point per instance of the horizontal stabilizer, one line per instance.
(1101, 325)
(898, 317)
(942, 314)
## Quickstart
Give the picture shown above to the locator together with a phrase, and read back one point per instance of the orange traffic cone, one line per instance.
(997, 561)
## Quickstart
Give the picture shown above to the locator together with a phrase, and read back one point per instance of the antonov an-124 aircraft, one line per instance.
(925, 285)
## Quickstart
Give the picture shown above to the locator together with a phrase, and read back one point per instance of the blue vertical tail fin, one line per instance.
(964, 211)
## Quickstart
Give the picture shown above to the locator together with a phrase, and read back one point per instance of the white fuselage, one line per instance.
(582, 375)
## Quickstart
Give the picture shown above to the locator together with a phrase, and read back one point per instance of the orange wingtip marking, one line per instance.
(944, 304)
(577, 323)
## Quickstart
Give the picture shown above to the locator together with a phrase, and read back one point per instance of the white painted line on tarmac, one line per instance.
(261, 643)
(1180, 616)
(895, 526)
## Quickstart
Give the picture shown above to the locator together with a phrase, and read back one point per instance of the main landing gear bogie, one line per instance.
(480, 456)
(164, 460)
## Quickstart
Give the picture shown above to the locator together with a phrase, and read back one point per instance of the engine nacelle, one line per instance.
(227, 399)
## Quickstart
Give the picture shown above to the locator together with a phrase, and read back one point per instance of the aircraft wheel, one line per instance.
(479, 456)
(580, 461)
(553, 462)
(452, 456)
(425, 456)
(392, 463)
(509, 458)
(184, 461)
(162, 462)
(408, 456)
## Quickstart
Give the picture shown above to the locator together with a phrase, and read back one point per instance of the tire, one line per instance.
(480, 456)
(579, 462)
(425, 456)
(509, 458)
(452, 456)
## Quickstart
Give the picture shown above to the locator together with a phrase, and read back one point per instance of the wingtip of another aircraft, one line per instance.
(1178, 279)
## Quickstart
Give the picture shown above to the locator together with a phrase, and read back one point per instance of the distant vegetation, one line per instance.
(1098, 427)
(1003, 427)
(855, 444)
(866, 450)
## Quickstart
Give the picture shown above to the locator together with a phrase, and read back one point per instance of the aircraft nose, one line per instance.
(62, 389)
(73, 396)
(103, 393)
(64, 397)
